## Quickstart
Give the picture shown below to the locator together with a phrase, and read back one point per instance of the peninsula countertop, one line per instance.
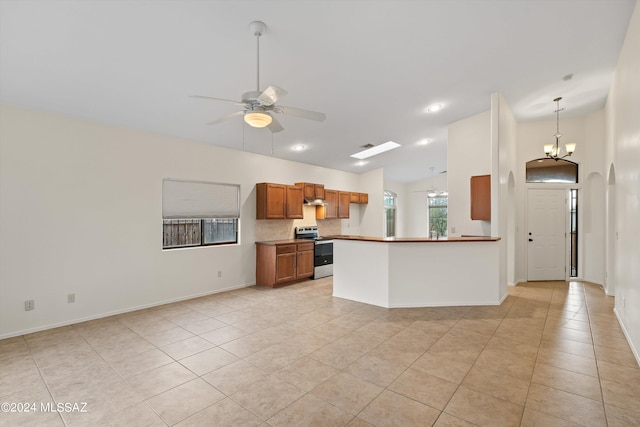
(414, 239)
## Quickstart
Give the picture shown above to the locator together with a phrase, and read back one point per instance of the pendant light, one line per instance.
(554, 151)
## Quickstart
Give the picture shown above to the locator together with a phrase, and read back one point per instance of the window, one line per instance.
(198, 213)
(390, 213)
(574, 232)
(549, 170)
(437, 216)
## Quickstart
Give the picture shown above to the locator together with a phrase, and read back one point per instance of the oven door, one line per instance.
(323, 259)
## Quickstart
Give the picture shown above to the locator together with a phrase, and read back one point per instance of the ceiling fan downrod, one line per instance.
(257, 28)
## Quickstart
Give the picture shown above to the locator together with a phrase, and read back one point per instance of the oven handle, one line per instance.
(323, 242)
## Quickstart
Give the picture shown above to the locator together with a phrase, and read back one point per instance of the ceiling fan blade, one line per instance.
(227, 117)
(271, 94)
(216, 99)
(275, 126)
(304, 114)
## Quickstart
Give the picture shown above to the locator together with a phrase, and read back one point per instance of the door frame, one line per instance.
(567, 218)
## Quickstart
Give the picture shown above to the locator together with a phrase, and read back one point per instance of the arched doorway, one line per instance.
(610, 214)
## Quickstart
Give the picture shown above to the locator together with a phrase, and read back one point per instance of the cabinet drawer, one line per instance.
(285, 249)
(305, 246)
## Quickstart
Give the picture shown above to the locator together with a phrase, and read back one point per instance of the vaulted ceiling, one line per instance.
(371, 66)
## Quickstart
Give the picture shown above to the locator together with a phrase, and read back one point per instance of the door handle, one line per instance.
(531, 240)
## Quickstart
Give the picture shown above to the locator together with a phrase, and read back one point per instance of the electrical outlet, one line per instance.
(29, 305)
(219, 273)
(453, 229)
(71, 298)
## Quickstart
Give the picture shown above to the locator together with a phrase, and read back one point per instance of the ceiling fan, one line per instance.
(433, 191)
(259, 106)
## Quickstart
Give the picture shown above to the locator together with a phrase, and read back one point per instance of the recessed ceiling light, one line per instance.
(425, 141)
(299, 147)
(433, 108)
(361, 163)
(377, 149)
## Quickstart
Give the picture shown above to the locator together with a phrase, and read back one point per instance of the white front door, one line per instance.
(546, 239)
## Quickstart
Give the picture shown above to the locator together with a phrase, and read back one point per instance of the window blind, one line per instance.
(197, 199)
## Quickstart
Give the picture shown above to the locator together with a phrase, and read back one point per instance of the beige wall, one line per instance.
(80, 212)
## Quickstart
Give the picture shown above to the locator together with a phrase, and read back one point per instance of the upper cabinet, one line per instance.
(312, 191)
(330, 210)
(481, 197)
(278, 201)
(294, 202)
(344, 198)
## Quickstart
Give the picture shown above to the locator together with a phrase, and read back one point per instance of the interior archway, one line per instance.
(610, 215)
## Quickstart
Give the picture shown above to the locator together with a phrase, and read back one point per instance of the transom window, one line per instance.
(549, 170)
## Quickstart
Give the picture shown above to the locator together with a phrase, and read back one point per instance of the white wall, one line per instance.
(80, 212)
(372, 214)
(468, 154)
(504, 150)
(623, 152)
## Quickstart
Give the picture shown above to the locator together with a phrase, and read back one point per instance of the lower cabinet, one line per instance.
(281, 263)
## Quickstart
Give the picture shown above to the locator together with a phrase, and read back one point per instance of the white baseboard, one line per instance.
(116, 312)
(627, 336)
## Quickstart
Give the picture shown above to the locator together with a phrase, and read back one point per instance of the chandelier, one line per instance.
(554, 151)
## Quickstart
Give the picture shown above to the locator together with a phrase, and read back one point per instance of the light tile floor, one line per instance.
(552, 354)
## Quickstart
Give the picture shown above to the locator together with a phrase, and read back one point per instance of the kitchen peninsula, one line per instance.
(418, 272)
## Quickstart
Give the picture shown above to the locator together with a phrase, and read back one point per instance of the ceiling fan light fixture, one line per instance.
(257, 119)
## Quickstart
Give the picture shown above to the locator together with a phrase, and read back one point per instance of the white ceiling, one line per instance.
(371, 66)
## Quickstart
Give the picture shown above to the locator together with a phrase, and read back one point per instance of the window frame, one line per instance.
(216, 210)
(446, 216)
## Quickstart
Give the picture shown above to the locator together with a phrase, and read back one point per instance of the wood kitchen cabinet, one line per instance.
(278, 263)
(304, 260)
(294, 202)
(279, 201)
(330, 209)
(481, 197)
(364, 198)
(344, 199)
(312, 191)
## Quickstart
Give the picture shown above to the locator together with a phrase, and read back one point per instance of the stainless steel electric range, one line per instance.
(322, 251)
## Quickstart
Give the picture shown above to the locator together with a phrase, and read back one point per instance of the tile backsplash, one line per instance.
(283, 229)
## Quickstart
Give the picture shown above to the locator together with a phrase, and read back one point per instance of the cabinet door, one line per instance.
(481, 197)
(355, 197)
(331, 208)
(318, 191)
(305, 263)
(364, 198)
(271, 201)
(294, 202)
(344, 198)
(309, 189)
(285, 263)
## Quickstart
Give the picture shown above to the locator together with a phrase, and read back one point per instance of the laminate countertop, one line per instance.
(414, 239)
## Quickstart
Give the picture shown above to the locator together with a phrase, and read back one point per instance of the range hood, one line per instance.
(314, 202)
